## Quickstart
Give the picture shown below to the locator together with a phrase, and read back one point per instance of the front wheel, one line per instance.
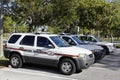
(67, 66)
(16, 61)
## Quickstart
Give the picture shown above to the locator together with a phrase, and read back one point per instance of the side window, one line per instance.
(44, 42)
(14, 38)
(69, 40)
(91, 39)
(81, 38)
(28, 40)
(85, 38)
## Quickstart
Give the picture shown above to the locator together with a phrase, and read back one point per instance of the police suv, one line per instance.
(73, 40)
(108, 47)
(46, 49)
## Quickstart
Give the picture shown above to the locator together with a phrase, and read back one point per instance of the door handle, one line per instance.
(21, 48)
(38, 50)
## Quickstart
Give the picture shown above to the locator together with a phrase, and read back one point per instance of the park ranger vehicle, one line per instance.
(46, 49)
(91, 39)
(73, 40)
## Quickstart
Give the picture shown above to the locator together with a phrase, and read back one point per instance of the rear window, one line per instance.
(14, 38)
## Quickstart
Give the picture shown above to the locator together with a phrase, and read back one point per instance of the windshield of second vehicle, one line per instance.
(77, 40)
(59, 42)
(98, 39)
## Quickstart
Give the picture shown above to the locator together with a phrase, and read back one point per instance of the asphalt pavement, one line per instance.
(106, 69)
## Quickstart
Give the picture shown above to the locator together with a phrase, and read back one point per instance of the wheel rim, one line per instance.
(66, 67)
(15, 61)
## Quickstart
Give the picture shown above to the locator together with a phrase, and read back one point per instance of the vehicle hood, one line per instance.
(73, 50)
(104, 43)
(91, 47)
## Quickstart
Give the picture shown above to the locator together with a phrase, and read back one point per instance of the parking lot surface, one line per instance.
(106, 69)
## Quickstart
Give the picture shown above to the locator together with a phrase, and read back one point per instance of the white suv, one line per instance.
(73, 40)
(108, 47)
(46, 49)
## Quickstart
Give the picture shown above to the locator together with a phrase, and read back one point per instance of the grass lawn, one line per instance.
(117, 45)
(3, 62)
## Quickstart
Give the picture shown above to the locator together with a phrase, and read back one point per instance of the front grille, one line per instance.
(97, 52)
(91, 55)
(100, 52)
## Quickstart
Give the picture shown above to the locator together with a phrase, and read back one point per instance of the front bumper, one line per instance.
(83, 63)
(111, 48)
(6, 53)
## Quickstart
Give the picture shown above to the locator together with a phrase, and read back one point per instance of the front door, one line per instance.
(45, 51)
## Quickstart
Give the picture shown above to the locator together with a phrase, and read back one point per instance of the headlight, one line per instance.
(94, 51)
(82, 55)
(110, 45)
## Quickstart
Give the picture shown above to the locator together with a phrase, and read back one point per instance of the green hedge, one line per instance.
(4, 62)
(117, 45)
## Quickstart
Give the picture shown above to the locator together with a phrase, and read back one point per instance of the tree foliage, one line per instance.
(36, 12)
(8, 25)
(50, 12)
(96, 14)
(65, 15)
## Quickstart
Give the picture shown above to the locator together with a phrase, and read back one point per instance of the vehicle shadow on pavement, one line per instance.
(47, 69)
(111, 61)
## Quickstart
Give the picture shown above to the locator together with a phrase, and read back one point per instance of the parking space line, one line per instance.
(46, 75)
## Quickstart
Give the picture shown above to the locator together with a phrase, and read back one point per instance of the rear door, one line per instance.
(27, 47)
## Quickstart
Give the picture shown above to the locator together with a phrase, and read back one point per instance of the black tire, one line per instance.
(106, 50)
(67, 67)
(104, 53)
(16, 61)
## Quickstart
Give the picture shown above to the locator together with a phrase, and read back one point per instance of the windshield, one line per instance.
(77, 40)
(99, 40)
(59, 42)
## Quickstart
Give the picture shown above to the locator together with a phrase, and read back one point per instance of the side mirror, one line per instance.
(87, 42)
(50, 46)
(73, 43)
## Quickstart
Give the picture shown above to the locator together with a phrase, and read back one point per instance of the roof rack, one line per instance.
(43, 33)
(64, 34)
